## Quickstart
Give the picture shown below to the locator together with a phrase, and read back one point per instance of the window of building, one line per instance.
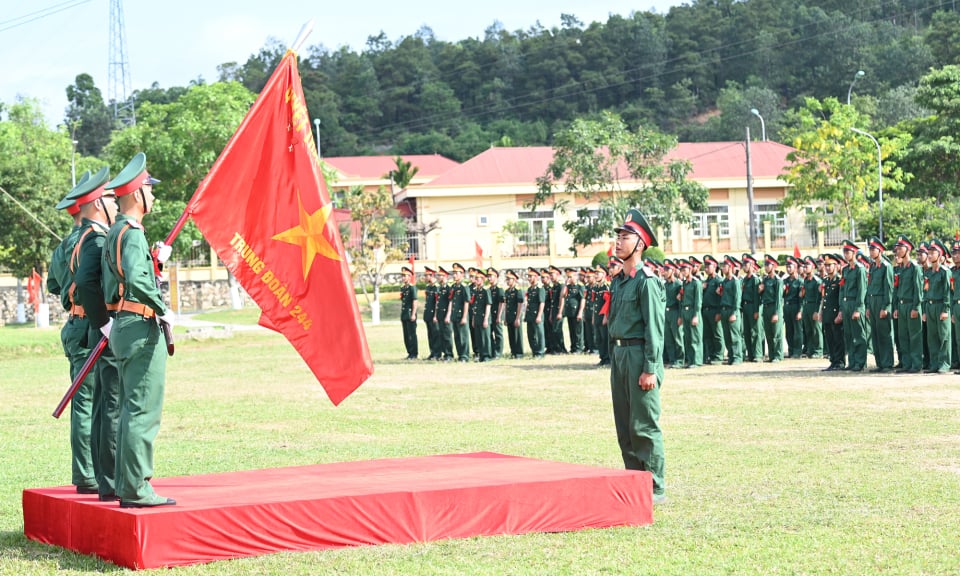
(715, 214)
(773, 214)
(538, 226)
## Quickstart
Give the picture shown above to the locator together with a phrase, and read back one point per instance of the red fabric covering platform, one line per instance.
(399, 500)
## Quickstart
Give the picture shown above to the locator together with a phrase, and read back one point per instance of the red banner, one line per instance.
(34, 284)
(479, 254)
(265, 209)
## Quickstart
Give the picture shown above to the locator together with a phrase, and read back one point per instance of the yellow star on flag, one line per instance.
(311, 236)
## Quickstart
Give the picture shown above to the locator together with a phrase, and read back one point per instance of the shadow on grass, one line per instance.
(16, 545)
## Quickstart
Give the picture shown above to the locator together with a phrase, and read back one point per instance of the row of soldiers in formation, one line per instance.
(837, 306)
(463, 316)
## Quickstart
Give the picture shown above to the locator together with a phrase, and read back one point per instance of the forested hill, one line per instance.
(695, 72)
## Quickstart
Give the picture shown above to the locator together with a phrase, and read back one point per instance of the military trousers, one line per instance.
(484, 345)
(752, 333)
(833, 340)
(854, 336)
(692, 337)
(712, 336)
(535, 337)
(496, 339)
(794, 330)
(910, 331)
(410, 337)
(461, 338)
(433, 338)
(773, 333)
(732, 334)
(138, 345)
(636, 414)
(76, 346)
(445, 336)
(673, 354)
(955, 317)
(106, 416)
(515, 336)
(881, 332)
(602, 336)
(938, 336)
(589, 343)
(812, 333)
(575, 328)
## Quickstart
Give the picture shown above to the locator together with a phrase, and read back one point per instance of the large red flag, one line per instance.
(265, 209)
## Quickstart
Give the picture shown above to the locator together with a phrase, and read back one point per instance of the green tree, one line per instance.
(35, 174)
(372, 249)
(943, 37)
(404, 174)
(837, 167)
(181, 140)
(606, 164)
(88, 119)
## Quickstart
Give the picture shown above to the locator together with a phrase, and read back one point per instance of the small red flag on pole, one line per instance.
(796, 250)
(479, 254)
(265, 209)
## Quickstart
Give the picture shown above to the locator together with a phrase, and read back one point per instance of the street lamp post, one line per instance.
(73, 163)
(763, 126)
(879, 175)
(856, 77)
(316, 122)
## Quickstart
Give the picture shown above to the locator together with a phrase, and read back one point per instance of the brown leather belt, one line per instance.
(113, 307)
(77, 311)
(137, 308)
(628, 341)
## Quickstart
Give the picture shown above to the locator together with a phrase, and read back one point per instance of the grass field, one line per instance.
(771, 469)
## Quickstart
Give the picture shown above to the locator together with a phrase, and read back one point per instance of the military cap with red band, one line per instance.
(68, 203)
(850, 245)
(905, 242)
(876, 244)
(133, 176)
(769, 259)
(90, 190)
(636, 223)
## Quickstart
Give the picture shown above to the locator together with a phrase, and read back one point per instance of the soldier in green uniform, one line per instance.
(481, 318)
(589, 291)
(513, 309)
(558, 302)
(574, 303)
(879, 306)
(955, 297)
(730, 311)
(771, 300)
(408, 312)
(853, 291)
(691, 292)
(811, 295)
(867, 329)
(936, 310)
(710, 311)
(472, 274)
(906, 307)
(792, 285)
(76, 347)
(830, 313)
(602, 297)
(98, 209)
(497, 304)
(923, 261)
(673, 327)
(430, 297)
(536, 302)
(547, 283)
(457, 313)
(637, 307)
(136, 339)
(750, 308)
(444, 328)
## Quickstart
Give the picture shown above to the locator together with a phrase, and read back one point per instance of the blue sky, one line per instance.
(44, 44)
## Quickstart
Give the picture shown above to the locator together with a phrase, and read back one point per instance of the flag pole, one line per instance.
(305, 31)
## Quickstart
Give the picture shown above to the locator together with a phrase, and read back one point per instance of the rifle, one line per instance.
(102, 344)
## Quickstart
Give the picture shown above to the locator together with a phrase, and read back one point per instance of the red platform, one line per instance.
(399, 501)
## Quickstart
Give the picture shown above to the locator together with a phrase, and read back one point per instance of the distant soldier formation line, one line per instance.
(842, 307)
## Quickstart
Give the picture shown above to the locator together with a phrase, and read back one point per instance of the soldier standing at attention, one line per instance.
(771, 298)
(589, 286)
(750, 307)
(574, 302)
(76, 347)
(548, 332)
(430, 297)
(98, 208)
(853, 293)
(471, 315)
(712, 332)
(673, 325)
(830, 313)
(811, 295)
(730, 311)
(136, 339)
(955, 297)
(690, 299)
(637, 306)
(536, 298)
(936, 311)
(408, 312)
(481, 318)
(792, 285)
(602, 297)
(879, 303)
(924, 261)
(496, 313)
(445, 329)
(906, 308)
(513, 314)
(557, 304)
(458, 312)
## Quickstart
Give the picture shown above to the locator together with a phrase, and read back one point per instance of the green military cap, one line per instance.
(458, 267)
(810, 260)
(602, 268)
(67, 202)
(614, 260)
(850, 245)
(491, 271)
(695, 262)
(636, 223)
(709, 259)
(429, 271)
(553, 269)
(770, 259)
(938, 245)
(923, 247)
(905, 242)
(511, 274)
(132, 177)
(441, 271)
(406, 270)
(532, 271)
(955, 247)
(91, 189)
(876, 244)
(748, 258)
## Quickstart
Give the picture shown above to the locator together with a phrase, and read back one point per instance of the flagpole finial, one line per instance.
(302, 36)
